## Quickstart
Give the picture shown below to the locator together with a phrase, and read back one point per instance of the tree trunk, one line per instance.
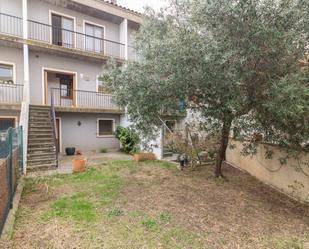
(221, 153)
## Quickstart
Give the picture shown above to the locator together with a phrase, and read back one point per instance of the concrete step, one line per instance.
(39, 161)
(34, 145)
(40, 124)
(42, 154)
(42, 127)
(40, 139)
(167, 154)
(39, 107)
(40, 112)
(41, 130)
(42, 167)
(47, 149)
(39, 119)
(40, 136)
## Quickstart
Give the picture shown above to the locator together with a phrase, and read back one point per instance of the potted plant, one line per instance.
(143, 156)
(79, 165)
(70, 151)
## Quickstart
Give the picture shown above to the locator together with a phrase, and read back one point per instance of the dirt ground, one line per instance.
(154, 205)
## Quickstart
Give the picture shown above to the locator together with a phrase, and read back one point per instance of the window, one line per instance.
(101, 86)
(66, 85)
(171, 124)
(94, 38)
(6, 123)
(62, 31)
(6, 74)
(106, 127)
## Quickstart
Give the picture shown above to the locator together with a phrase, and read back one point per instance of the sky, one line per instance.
(139, 4)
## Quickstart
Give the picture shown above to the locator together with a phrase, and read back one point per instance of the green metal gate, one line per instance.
(11, 168)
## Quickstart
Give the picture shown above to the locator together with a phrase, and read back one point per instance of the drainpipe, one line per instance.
(126, 42)
(124, 36)
(24, 115)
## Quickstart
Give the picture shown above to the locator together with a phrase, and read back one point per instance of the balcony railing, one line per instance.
(11, 93)
(46, 33)
(82, 99)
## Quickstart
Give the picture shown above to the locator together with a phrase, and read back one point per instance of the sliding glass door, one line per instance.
(94, 38)
(62, 31)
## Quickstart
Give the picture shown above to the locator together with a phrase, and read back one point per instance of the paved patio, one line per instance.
(65, 162)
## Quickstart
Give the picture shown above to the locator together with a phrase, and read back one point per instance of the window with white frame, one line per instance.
(6, 73)
(94, 40)
(62, 30)
(105, 127)
(101, 86)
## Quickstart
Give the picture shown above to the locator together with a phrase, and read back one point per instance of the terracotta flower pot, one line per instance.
(79, 165)
(143, 157)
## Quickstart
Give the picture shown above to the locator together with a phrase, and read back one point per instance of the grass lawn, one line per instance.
(123, 204)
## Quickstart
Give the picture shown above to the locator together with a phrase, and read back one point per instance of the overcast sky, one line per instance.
(139, 4)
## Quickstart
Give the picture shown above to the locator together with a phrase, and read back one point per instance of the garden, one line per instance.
(152, 204)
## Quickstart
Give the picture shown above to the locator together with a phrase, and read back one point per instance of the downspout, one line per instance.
(24, 114)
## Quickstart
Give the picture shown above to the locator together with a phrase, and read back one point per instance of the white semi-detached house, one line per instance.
(51, 54)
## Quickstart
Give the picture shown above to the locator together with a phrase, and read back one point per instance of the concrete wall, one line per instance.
(11, 7)
(292, 178)
(86, 72)
(84, 137)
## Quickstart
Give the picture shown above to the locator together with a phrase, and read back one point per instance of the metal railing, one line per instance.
(11, 25)
(76, 40)
(37, 31)
(54, 125)
(11, 93)
(11, 168)
(82, 99)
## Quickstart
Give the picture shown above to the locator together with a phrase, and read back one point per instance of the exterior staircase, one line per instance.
(41, 143)
(167, 152)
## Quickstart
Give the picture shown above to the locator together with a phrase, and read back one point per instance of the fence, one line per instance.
(11, 93)
(82, 99)
(11, 168)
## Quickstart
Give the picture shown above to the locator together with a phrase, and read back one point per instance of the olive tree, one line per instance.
(229, 60)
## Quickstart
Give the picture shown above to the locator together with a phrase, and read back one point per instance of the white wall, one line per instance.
(291, 179)
(84, 137)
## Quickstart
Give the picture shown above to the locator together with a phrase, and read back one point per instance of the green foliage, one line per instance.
(290, 244)
(128, 138)
(75, 207)
(164, 216)
(150, 224)
(114, 212)
(103, 150)
(235, 61)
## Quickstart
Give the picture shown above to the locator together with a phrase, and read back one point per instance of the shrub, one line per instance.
(103, 150)
(128, 139)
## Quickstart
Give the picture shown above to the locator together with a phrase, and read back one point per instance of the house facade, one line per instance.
(52, 54)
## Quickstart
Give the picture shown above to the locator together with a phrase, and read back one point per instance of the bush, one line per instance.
(103, 150)
(128, 139)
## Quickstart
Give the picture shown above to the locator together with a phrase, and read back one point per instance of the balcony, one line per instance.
(11, 94)
(48, 36)
(68, 100)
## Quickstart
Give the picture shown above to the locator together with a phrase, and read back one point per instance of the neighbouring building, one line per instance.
(52, 53)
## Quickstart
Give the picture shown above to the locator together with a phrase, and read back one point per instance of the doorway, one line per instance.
(59, 87)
